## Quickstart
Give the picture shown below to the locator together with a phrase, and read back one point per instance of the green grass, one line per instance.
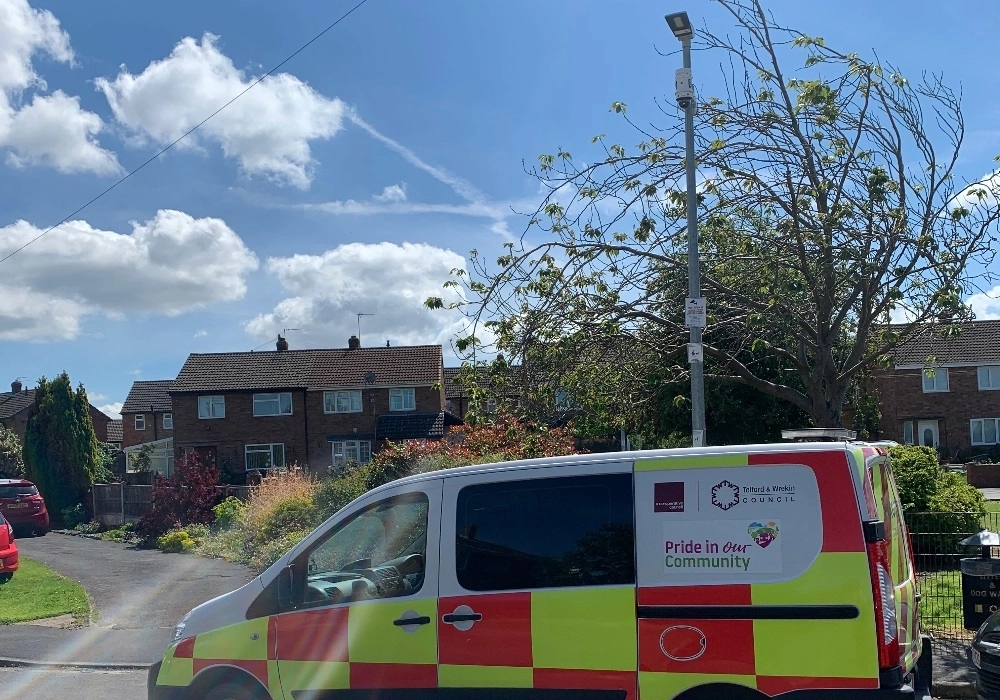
(941, 604)
(37, 592)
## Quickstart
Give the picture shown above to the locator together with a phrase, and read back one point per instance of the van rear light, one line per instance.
(883, 588)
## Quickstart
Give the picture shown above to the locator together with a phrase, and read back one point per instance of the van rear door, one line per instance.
(752, 571)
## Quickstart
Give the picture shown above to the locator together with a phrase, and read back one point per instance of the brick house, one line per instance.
(951, 402)
(14, 405)
(250, 411)
(115, 432)
(147, 415)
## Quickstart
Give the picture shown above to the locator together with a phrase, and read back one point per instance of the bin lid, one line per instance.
(983, 538)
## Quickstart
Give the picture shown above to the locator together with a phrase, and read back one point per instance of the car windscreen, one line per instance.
(20, 490)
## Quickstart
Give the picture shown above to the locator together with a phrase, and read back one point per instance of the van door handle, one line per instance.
(918, 597)
(406, 621)
(452, 618)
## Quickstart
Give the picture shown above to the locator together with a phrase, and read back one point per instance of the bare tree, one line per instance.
(828, 205)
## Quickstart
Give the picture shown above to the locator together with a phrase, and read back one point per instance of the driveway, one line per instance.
(138, 595)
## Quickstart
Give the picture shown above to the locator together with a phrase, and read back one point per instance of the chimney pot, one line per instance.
(354, 342)
(15, 386)
(282, 344)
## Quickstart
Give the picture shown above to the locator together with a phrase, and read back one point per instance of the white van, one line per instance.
(741, 572)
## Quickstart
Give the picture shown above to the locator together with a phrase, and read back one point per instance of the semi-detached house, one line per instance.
(250, 411)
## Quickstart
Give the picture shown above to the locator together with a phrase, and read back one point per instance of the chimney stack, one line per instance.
(354, 343)
(282, 344)
(15, 386)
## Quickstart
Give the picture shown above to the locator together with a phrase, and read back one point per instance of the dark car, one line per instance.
(8, 551)
(986, 658)
(23, 506)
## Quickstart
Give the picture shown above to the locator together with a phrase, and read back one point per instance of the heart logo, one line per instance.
(762, 534)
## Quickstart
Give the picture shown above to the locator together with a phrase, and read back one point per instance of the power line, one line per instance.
(187, 133)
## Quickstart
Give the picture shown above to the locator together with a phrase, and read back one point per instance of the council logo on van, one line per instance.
(726, 494)
(668, 497)
(763, 535)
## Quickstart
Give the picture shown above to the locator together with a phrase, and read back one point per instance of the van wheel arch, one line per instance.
(224, 679)
(713, 691)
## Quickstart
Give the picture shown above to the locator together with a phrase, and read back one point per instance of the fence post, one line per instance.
(122, 493)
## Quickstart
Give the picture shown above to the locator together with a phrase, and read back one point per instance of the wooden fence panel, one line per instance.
(115, 504)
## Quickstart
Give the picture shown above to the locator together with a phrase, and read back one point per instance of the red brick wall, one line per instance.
(131, 436)
(18, 422)
(902, 398)
(239, 428)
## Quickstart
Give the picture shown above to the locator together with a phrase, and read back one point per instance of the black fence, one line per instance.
(937, 557)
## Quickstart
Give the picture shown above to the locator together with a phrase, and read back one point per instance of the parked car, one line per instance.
(23, 506)
(985, 651)
(738, 572)
(8, 551)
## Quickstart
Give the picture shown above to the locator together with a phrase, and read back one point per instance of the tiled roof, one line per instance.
(418, 365)
(142, 395)
(979, 341)
(115, 430)
(413, 426)
(453, 389)
(12, 404)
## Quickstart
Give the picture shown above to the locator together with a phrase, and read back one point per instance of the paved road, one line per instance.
(93, 685)
(139, 595)
(135, 588)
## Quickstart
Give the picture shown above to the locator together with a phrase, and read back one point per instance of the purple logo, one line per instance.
(668, 497)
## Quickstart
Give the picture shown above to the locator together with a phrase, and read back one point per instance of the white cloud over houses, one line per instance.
(168, 265)
(385, 279)
(45, 130)
(114, 410)
(268, 130)
(986, 305)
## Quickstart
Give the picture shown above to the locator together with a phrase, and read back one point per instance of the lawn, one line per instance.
(37, 591)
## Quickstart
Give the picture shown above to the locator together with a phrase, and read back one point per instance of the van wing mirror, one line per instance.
(286, 589)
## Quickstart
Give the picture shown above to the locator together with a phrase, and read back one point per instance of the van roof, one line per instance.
(605, 457)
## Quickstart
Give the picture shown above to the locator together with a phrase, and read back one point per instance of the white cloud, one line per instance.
(51, 130)
(388, 280)
(392, 193)
(200, 334)
(168, 265)
(112, 409)
(268, 130)
(986, 305)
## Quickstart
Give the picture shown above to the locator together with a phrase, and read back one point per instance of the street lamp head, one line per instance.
(680, 25)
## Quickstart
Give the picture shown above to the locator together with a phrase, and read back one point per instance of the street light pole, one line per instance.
(680, 25)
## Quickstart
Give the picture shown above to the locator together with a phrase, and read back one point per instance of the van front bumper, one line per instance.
(162, 692)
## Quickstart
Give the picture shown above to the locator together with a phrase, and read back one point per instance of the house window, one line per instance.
(168, 421)
(936, 379)
(359, 451)
(272, 404)
(342, 401)
(907, 432)
(491, 405)
(985, 431)
(211, 406)
(265, 456)
(989, 377)
(402, 400)
(140, 421)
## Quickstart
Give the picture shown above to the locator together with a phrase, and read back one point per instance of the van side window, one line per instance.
(545, 533)
(378, 553)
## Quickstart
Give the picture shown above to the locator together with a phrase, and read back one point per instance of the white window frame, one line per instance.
(398, 399)
(210, 402)
(992, 383)
(168, 421)
(263, 448)
(140, 421)
(935, 380)
(340, 448)
(982, 422)
(332, 401)
(274, 398)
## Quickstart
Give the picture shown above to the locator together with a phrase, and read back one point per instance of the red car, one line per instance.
(23, 506)
(8, 551)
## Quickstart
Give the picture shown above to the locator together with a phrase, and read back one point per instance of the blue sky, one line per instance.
(355, 179)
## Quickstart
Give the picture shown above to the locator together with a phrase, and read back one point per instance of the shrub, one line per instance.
(125, 533)
(186, 497)
(334, 493)
(297, 513)
(88, 528)
(73, 516)
(175, 541)
(271, 551)
(229, 512)
(917, 471)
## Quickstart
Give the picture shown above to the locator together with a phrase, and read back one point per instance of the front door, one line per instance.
(927, 433)
(365, 596)
(538, 584)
